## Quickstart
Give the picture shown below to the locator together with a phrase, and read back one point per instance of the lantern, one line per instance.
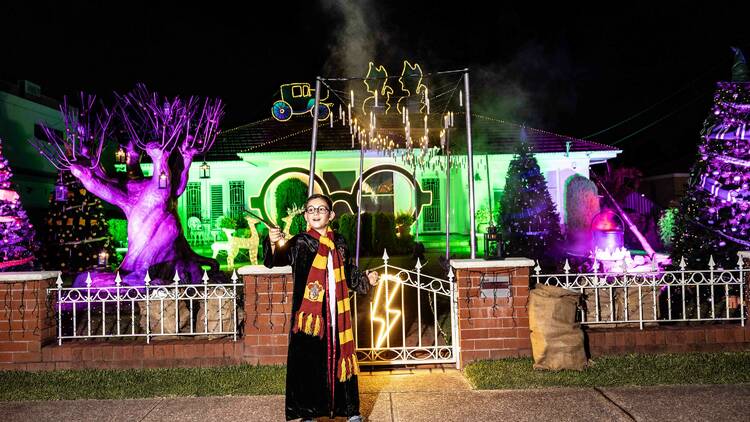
(163, 180)
(103, 259)
(493, 243)
(205, 170)
(61, 191)
(120, 156)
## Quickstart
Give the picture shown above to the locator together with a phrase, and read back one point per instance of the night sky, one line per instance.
(571, 70)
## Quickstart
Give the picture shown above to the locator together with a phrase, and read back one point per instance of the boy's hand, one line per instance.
(275, 235)
(373, 277)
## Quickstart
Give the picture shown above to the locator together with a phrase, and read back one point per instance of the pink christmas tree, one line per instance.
(17, 245)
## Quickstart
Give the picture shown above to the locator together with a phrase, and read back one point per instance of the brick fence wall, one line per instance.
(268, 305)
(494, 326)
(499, 327)
(665, 339)
(491, 324)
(26, 320)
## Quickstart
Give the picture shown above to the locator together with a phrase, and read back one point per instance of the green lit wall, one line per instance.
(219, 193)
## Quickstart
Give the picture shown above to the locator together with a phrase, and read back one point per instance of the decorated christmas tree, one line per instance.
(530, 221)
(714, 216)
(17, 244)
(77, 237)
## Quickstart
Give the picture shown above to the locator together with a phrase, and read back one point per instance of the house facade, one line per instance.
(23, 108)
(247, 163)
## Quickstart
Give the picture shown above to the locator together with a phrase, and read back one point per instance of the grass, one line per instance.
(141, 383)
(628, 370)
(516, 373)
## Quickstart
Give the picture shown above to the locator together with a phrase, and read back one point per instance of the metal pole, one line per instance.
(314, 146)
(470, 165)
(490, 199)
(359, 199)
(447, 194)
(416, 211)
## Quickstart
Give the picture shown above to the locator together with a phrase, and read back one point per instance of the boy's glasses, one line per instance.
(320, 210)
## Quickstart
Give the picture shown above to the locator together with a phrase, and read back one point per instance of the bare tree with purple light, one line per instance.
(171, 132)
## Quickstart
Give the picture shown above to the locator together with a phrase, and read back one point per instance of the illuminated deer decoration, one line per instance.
(171, 132)
(249, 243)
(290, 214)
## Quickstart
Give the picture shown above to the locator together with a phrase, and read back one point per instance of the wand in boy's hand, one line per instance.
(269, 224)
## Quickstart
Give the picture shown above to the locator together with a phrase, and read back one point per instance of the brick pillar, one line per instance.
(493, 321)
(268, 307)
(27, 318)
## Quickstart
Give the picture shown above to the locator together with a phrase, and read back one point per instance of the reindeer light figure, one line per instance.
(291, 213)
(249, 243)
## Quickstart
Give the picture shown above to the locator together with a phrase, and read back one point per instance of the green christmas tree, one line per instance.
(77, 230)
(714, 214)
(530, 221)
(17, 244)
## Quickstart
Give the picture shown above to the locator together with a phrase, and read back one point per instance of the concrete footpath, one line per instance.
(423, 395)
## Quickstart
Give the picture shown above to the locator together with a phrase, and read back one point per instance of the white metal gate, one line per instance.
(408, 318)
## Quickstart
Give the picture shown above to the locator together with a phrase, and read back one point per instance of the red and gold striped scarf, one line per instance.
(309, 317)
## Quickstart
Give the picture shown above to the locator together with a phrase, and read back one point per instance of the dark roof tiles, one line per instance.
(489, 135)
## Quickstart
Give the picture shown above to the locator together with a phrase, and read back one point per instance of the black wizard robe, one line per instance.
(308, 393)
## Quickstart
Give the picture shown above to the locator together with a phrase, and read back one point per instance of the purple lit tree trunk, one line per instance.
(171, 133)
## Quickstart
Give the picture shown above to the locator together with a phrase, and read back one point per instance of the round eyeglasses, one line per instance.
(319, 210)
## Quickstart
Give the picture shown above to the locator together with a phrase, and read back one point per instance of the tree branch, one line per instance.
(86, 132)
(100, 187)
(187, 160)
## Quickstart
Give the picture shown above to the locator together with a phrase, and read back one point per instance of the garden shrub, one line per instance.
(667, 226)
(290, 193)
(384, 233)
(581, 203)
(118, 229)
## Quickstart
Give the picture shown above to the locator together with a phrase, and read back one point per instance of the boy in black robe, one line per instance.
(321, 365)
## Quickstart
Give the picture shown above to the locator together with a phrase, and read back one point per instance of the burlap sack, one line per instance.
(208, 320)
(168, 317)
(556, 339)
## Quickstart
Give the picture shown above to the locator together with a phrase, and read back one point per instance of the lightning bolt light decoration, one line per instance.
(386, 324)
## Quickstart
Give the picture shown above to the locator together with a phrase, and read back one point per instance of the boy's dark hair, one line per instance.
(320, 196)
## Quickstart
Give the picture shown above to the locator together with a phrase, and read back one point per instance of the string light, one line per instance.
(295, 97)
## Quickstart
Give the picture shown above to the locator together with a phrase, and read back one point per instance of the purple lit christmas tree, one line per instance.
(16, 233)
(714, 215)
(77, 234)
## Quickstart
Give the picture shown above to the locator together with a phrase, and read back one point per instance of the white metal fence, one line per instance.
(147, 310)
(410, 318)
(656, 296)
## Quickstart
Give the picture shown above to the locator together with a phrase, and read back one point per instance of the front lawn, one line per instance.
(141, 383)
(609, 371)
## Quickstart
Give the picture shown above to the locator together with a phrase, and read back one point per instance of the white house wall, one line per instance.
(257, 167)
